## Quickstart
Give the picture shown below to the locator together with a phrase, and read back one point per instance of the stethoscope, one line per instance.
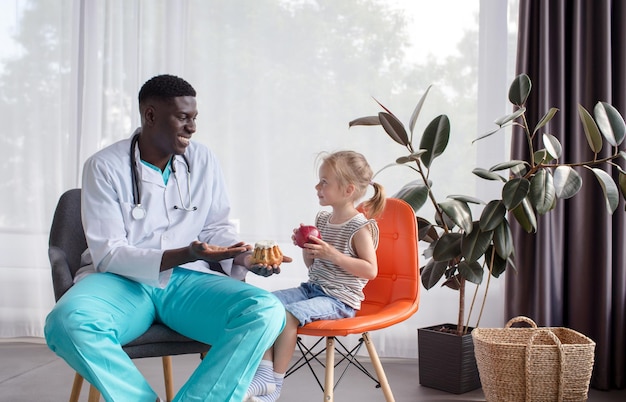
(139, 212)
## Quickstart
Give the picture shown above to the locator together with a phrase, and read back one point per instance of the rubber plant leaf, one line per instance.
(414, 193)
(567, 182)
(394, 128)
(594, 139)
(542, 156)
(499, 264)
(520, 89)
(365, 121)
(611, 193)
(459, 212)
(448, 247)
(383, 106)
(447, 222)
(490, 133)
(467, 198)
(610, 122)
(545, 119)
(622, 183)
(410, 158)
(417, 110)
(453, 282)
(510, 117)
(435, 139)
(475, 243)
(542, 193)
(514, 191)
(503, 239)
(520, 170)
(492, 216)
(416, 155)
(507, 165)
(553, 146)
(487, 175)
(511, 261)
(525, 216)
(471, 271)
(426, 231)
(432, 273)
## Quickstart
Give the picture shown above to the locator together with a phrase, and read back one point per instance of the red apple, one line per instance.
(303, 233)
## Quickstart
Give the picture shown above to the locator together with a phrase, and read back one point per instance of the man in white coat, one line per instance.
(161, 248)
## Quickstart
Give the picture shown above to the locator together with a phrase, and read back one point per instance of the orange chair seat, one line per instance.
(367, 320)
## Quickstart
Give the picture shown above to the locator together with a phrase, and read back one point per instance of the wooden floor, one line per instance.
(30, 372)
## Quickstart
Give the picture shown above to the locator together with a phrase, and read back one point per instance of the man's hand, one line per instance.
(264, 269)
(211, 253)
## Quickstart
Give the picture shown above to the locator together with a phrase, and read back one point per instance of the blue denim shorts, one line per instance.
(308, 303)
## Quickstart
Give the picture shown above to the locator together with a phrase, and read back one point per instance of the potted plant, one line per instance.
(462, 247)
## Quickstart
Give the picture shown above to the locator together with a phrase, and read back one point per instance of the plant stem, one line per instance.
(482, 308)
(469, 315)
(529, 139)
(438, 210)
(460, 322)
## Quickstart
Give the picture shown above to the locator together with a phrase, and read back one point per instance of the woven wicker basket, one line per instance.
(533, 364)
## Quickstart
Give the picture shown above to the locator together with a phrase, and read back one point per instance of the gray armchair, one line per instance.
(66, 244)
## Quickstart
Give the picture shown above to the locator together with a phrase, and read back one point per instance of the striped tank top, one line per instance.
(334, 280)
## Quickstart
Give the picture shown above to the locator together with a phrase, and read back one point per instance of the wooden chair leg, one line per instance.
(329, 381)
(78, 384)
(94, 394)
(380, 372)
(169, 378)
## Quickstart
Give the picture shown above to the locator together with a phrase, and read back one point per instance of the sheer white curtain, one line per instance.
(277, 80)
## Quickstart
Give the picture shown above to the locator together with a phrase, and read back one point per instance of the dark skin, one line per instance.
(166, 127)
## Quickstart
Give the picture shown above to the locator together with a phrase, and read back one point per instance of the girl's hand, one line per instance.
(318, 248)
(293, 235)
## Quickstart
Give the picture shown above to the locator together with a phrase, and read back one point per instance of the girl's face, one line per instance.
(328, 189)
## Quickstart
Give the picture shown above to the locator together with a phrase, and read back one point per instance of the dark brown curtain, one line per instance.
(572, 272)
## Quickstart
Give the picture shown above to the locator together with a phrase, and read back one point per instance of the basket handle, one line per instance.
(520, 318)
(529, 347)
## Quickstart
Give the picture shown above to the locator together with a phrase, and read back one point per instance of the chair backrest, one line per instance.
(67, 241)
(398, 263)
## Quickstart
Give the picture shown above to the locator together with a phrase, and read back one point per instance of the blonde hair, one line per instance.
(352, 168)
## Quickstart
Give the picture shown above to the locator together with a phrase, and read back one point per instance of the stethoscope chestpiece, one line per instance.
(138, 212)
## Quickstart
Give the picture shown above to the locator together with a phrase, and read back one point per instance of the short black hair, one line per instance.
(164, 87)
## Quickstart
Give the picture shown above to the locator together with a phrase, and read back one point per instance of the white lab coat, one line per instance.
(133, 248)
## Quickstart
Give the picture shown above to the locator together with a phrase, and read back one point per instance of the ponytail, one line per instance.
(375, 205)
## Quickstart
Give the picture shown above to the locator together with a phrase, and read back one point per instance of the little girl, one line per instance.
(340, 264)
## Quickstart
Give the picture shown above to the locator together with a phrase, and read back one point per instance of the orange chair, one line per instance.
(390, 298)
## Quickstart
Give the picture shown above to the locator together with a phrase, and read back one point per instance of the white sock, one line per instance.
(263, 381)
(272, 397)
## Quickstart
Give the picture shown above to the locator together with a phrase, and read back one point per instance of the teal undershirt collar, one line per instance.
(165, 173)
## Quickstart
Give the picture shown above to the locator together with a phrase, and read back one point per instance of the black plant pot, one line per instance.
(446, 360)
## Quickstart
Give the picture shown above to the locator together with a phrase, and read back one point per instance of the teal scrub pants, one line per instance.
(103, 311)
